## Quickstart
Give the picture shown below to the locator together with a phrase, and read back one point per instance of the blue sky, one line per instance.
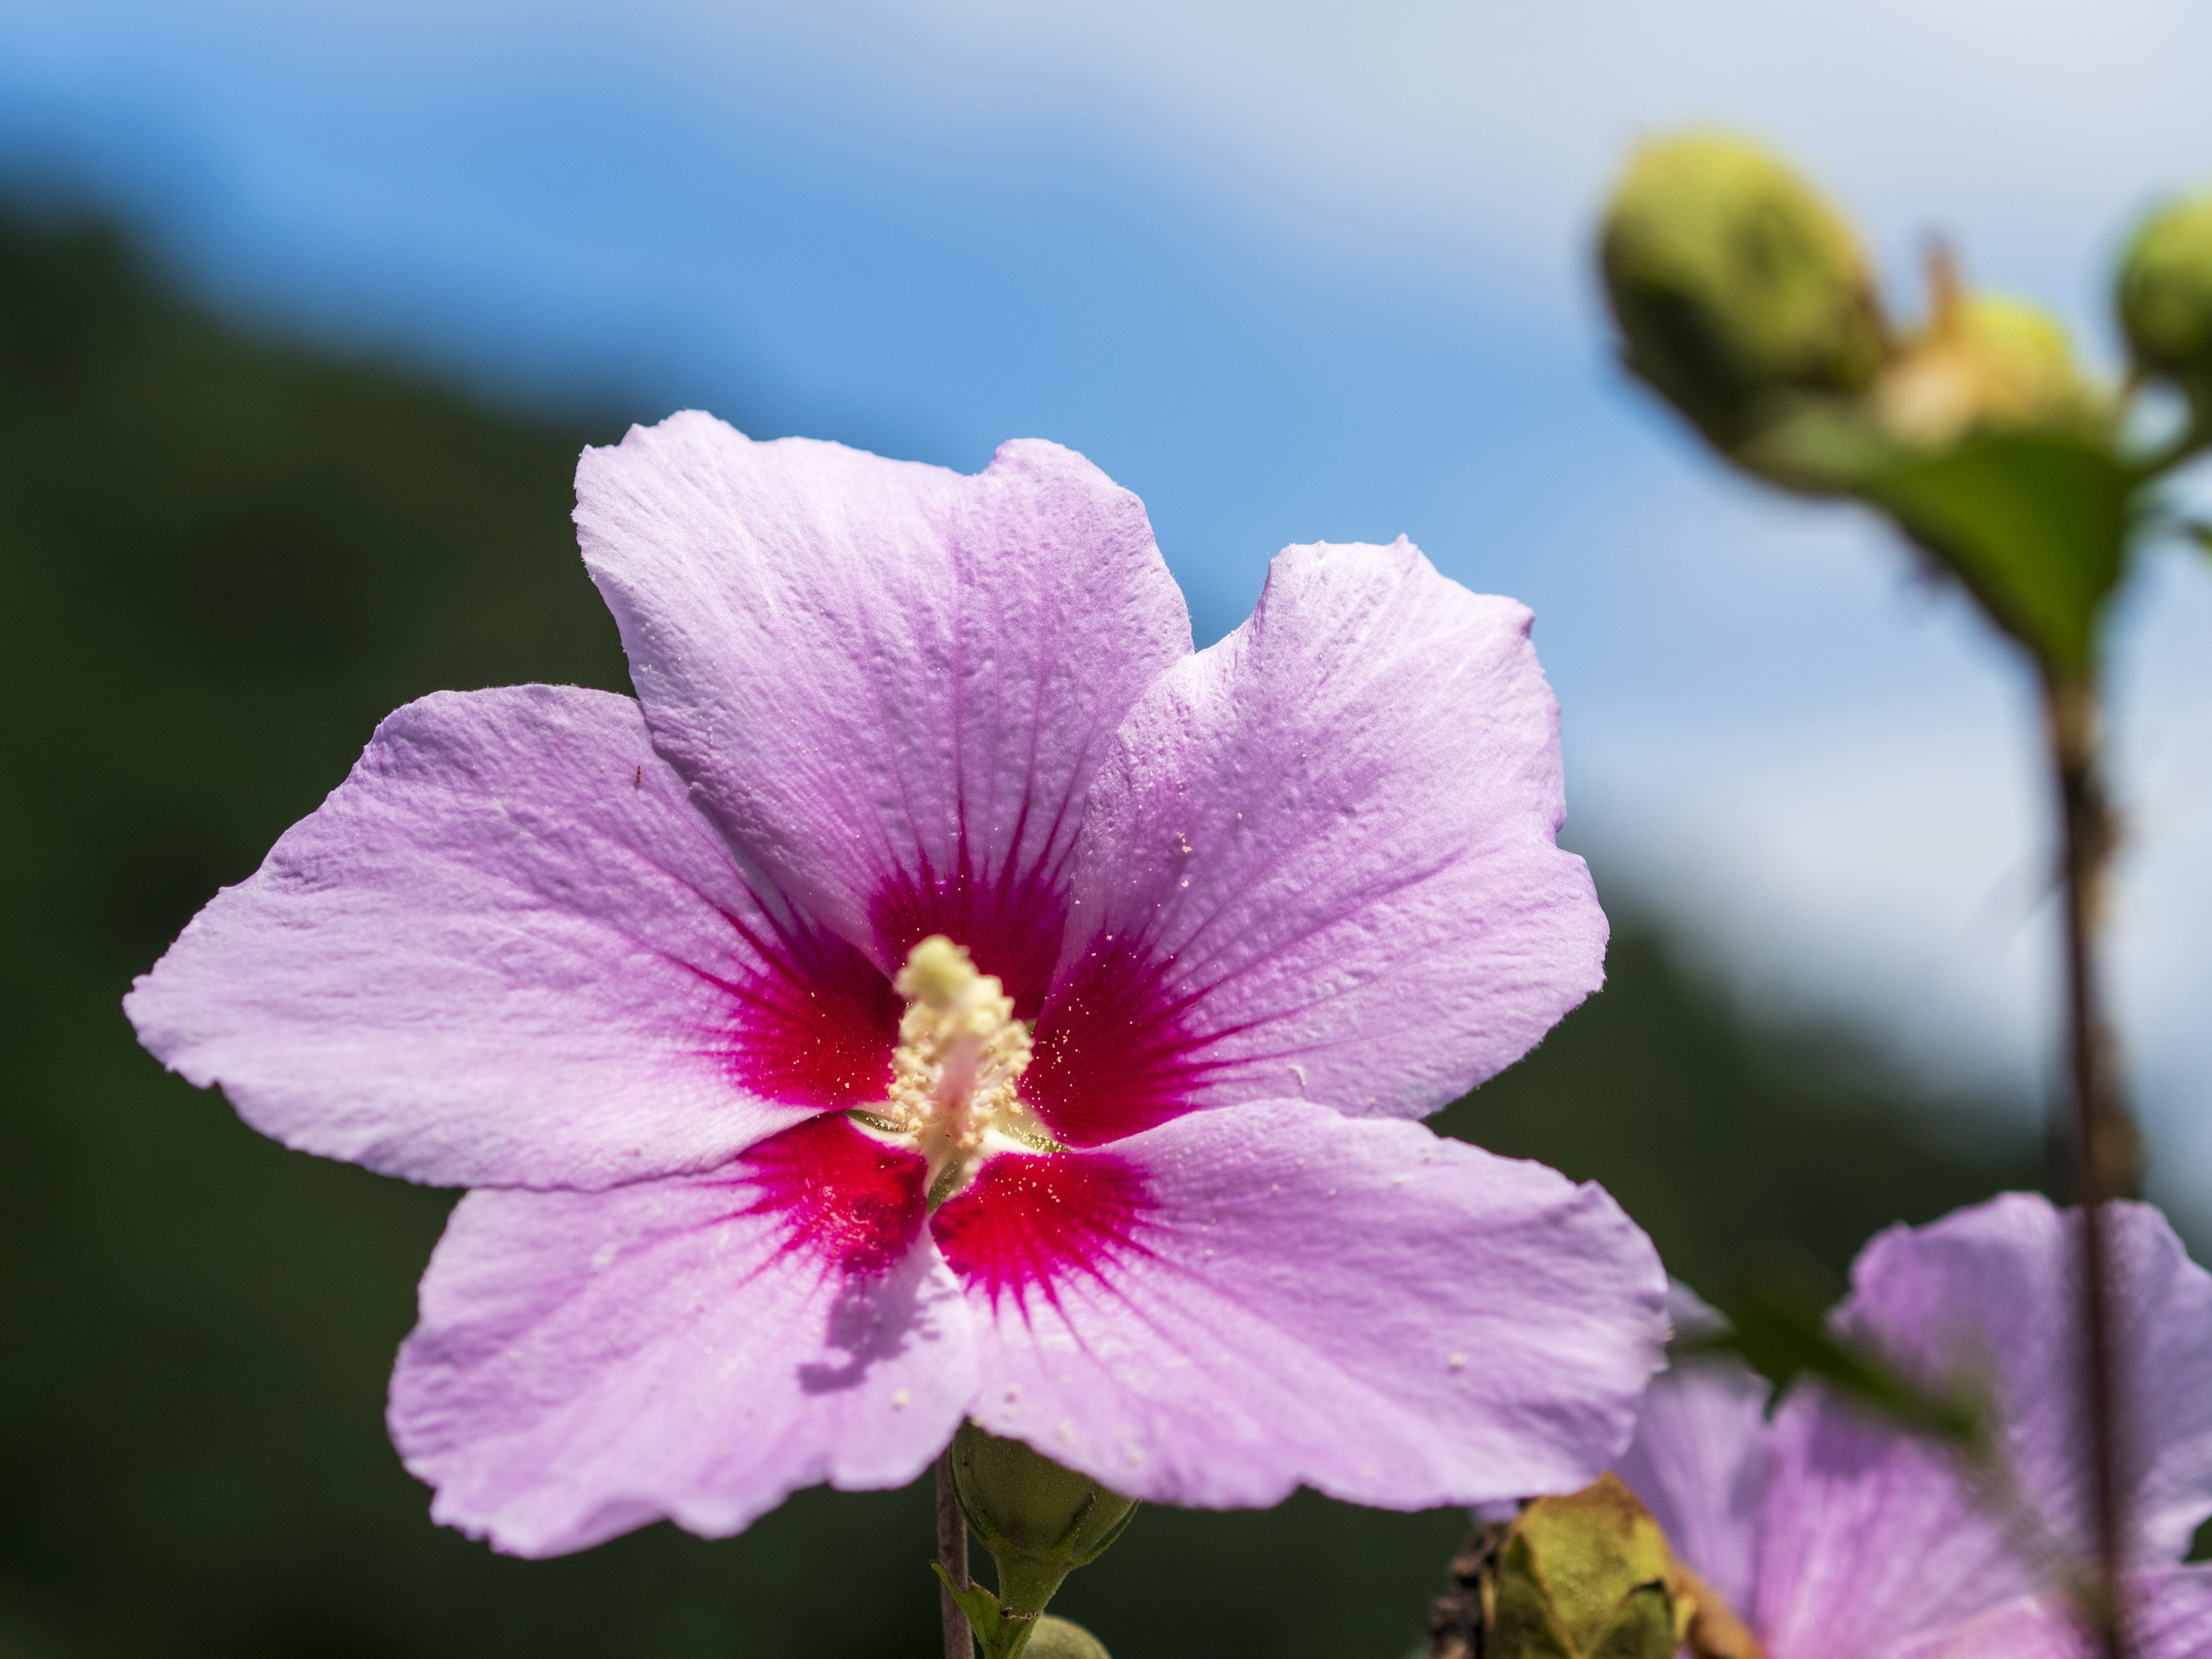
(1291, 272)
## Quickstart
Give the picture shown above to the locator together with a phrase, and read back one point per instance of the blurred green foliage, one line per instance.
(224, 559)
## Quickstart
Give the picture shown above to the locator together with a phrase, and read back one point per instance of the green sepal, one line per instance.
(1525, 1624)
(2035, 525)
(1040, 1520)
(1815, 445)
(1643, 1627)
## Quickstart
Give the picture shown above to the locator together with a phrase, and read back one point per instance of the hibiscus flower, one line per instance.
(1836, 1537)
(941, 993)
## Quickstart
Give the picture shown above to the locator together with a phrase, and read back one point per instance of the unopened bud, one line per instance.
(1039, 1521)
(1735, 284)
(1588, 1575)
(2165, 294)
(1056, 1639)
(1985, 363)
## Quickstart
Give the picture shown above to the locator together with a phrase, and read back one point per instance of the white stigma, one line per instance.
(961, 1054)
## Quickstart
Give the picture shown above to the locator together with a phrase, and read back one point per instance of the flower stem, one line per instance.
(2103, 1139)
(952, 1551)
(1456, 1624)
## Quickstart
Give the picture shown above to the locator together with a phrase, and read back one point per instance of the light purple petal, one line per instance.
(2032, 1627)
(892, 682)
(1985, 1296)
(2172, 1619)
(1869, 1536)
(1273, 1295)
(1990, 1292)
(2171, 1614)
(694, 1348)
(1700, 1458)
(509, 951)
(1320, 862)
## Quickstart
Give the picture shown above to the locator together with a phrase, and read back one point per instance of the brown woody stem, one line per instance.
(2105, 1160)
(952, 1552)
(1458, 1618)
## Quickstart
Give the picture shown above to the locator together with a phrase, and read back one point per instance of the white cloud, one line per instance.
(1486, 131)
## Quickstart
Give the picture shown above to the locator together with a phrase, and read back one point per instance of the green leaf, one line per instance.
(2035, 524)
(1002, 1636)
(1783, 1339)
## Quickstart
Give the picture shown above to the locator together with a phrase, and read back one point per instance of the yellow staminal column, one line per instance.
(961, 1054)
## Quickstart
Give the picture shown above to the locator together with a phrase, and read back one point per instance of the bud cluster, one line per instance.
(1746, 299)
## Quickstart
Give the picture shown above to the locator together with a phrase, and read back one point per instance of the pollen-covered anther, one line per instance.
(955, 1074)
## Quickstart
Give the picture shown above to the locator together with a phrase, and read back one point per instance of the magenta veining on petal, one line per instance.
(811, 1024)
(942, 993)
(1030, 1221)
(839, 1195)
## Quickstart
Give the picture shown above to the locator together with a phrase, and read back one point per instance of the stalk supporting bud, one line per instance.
(2164, 296)
(1737, 288)
(1039, 1521)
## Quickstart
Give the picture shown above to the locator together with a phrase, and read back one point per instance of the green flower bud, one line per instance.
(1986, 363)
(1039, 1521)
(1588, 1575)
(2165, 295)
(1735, 285)
(1056, 1638)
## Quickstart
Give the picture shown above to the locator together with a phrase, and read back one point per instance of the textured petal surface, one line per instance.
(1868, 1536)
(892, 682)
(1273, 1294)
(2172, 1620)
(1986, 1297)
(508, 950)
(694, 1348)
(2172, 1613)
(1701, 1456)
(1990, 1292)
(1320, 863)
